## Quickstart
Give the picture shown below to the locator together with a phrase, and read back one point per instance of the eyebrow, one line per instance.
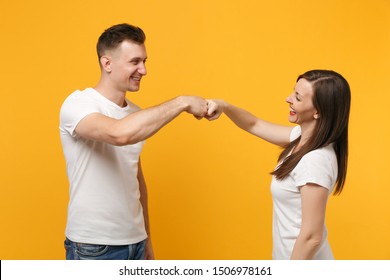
(137, 58)
(295, 91)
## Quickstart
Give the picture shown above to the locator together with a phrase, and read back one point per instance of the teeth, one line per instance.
(137, 78)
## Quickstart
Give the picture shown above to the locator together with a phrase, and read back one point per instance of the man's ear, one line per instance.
(105, 62)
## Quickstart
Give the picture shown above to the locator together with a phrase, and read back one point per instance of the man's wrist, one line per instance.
(182, 103)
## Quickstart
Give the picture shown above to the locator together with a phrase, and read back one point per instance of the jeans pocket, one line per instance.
(67, 244)
(86, 251)
(68, 249)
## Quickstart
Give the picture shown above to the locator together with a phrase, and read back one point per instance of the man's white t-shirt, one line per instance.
(318, 167)
(104, 206)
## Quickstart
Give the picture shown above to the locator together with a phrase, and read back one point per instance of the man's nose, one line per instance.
(142, 69)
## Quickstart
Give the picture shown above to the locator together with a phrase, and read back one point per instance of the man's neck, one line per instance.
(112, 94)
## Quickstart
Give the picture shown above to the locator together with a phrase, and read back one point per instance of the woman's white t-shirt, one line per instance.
(318, 167)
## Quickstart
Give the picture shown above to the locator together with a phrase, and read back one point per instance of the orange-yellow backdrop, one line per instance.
(208, 182)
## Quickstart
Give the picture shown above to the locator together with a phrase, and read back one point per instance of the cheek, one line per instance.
(305, 112)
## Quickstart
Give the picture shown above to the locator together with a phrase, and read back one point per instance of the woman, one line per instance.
(312, 164)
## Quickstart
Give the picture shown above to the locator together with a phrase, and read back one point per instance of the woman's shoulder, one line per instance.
(318, 166)
(326, 153)
(295, 133)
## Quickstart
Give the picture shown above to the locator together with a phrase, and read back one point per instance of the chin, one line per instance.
(133, 89)
(292, 120)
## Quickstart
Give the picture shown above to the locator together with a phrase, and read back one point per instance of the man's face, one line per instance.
(127, 65)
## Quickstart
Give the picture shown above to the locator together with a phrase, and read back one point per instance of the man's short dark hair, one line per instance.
(113, 36)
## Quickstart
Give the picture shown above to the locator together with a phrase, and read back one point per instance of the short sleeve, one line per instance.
(73, 110)
(295, 133)
(317, 167)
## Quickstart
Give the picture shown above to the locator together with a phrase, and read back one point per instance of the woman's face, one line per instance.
(302, 111)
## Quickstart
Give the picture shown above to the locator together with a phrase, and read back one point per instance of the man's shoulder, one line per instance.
(80, 95)
(80, 101)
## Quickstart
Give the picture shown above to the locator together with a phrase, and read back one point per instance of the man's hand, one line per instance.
(149, 253)
(195, 105)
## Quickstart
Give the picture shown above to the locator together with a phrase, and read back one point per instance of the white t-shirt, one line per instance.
(318, 167)
(104, 206)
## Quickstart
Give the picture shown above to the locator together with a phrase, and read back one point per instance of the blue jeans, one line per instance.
(82, 251)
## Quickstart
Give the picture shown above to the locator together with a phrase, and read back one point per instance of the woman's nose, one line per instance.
(289, 99)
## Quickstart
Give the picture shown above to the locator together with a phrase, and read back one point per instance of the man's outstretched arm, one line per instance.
(140, 125)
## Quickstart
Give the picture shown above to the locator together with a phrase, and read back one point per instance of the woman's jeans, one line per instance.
(82, 251)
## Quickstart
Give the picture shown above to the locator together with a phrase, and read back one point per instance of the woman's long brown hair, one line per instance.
(332, 100)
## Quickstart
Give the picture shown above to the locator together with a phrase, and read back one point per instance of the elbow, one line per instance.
(119, 137)
(248, 127)
(123, 140)
(120, 141)
(314, 240)
(307, 244)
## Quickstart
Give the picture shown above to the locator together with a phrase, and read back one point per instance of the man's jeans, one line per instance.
(82, 251)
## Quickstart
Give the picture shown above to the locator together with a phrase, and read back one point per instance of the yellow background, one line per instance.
(208, 182)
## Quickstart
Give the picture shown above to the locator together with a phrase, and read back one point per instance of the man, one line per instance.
(102, 134)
